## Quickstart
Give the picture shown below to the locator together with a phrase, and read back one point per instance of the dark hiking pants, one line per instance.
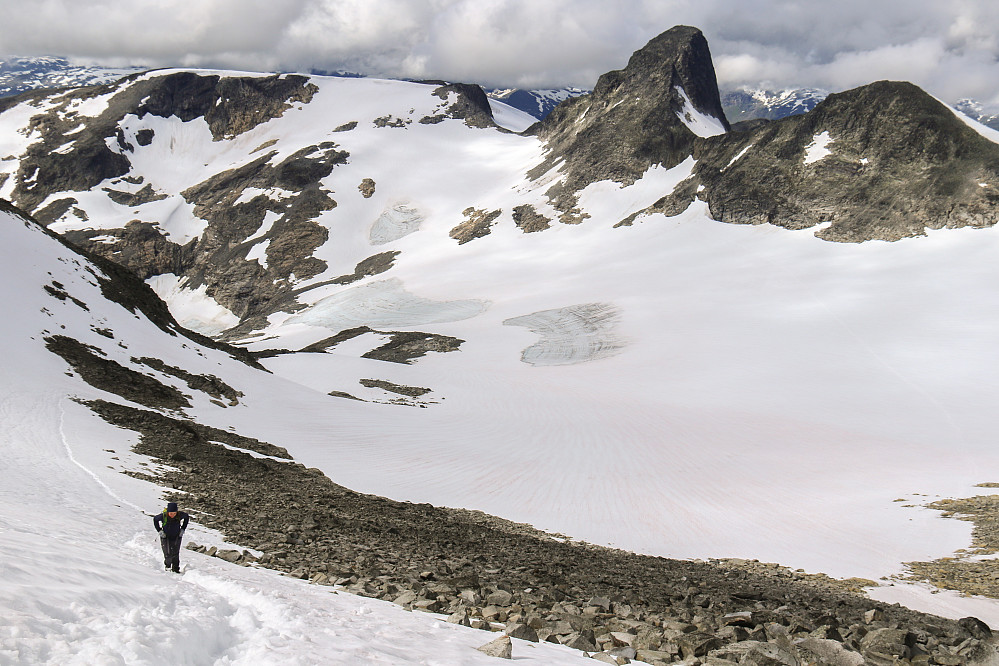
(171, 552)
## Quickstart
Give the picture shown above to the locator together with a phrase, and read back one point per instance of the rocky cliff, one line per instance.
(649, 113)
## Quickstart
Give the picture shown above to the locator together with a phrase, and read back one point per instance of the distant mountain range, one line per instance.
(742, 103)
(20, 74)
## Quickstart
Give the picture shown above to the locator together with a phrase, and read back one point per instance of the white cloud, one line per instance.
(949, 48)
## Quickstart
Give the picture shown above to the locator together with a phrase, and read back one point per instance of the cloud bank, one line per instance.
(951, 49)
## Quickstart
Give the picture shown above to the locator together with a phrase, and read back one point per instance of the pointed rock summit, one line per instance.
(651, 112)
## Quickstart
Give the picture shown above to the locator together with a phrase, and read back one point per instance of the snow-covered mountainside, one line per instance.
(82, 575)
(18, 75)
(563, 328)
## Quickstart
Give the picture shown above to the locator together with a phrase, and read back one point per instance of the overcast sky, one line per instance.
(949, 47)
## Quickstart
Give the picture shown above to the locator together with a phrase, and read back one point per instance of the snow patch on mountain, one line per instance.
(818, 148)
(193, 308)
(701, 124)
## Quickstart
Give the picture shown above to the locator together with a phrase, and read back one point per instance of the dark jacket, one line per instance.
(172, 526)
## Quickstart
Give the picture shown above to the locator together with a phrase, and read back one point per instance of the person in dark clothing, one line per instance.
(171, 525)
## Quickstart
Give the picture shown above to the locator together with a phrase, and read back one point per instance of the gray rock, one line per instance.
(829, 652)
(622, 638)
(499, 598)
(605, 658)
(886, 641)
(740, 619)
(407, 598)
(627, 652)
(502, 647)
(874, 615)
(976, 627)
(228, 555)
(521, 631)
(697, 644)
(602, 602)
(580, 642)
(459, 617)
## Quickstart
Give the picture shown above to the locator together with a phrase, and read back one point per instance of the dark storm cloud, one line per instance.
(948, 48)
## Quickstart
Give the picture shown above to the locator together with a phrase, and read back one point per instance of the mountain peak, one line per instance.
(648, 113)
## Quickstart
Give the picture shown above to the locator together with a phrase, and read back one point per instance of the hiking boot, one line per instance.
(176, 569)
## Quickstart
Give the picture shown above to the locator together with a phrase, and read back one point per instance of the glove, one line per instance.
(162, 534)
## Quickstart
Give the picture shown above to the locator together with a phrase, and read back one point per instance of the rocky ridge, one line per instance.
(883, 161)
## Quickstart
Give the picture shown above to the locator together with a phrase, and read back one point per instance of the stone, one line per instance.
(502, 647)
(521, 631)
(562, 628)
(228, 555)
(459, 617)
(427, 605)
(874, 615)
(608, 658)
(697, 644)
(976, 627)
(651, 656)
(601, 602)
(499, 598)
(626, 652)
(621, 638)
(579, 642)
(605, 658)
(367, 188)
(407, 598)
(740, 619)
(494, 613)
(829, 652)
(471, 597)
(886, 641)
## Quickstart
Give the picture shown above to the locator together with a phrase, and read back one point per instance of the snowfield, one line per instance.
(678, 387)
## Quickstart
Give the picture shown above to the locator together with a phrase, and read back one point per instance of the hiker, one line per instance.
(171, 525)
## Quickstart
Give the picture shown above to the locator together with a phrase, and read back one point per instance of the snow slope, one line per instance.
(706, 390)
(80, 570)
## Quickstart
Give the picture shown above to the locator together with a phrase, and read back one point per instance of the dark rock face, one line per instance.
(629, 122)
(900, 162)
(471, 105)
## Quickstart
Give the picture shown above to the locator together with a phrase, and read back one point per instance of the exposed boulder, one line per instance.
(502, 647)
